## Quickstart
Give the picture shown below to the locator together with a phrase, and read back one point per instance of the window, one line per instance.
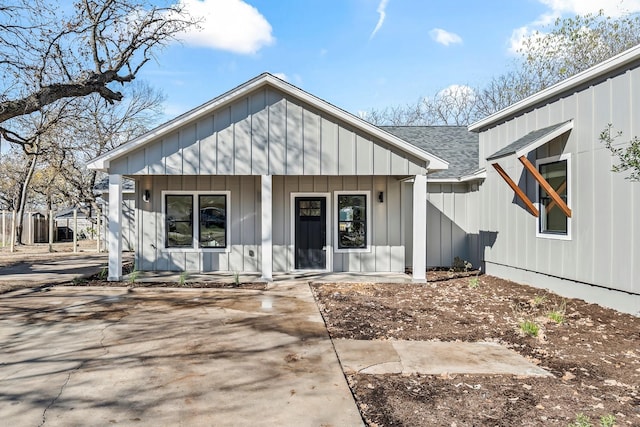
(352, 221)
(213, 221)
(179, 221)
(184, 231)
(552, 221)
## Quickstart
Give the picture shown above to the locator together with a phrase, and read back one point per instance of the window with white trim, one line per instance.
(552, 221)
(207, 230)
(353, 221)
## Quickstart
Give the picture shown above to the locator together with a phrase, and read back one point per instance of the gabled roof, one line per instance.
(627, 59)
(533, 140)
(455, 144)
(266, 79)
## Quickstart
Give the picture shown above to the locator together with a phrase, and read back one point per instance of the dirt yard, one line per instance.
(593, 353)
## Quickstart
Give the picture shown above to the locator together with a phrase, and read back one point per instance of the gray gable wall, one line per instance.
(267, 132)
(455, 144)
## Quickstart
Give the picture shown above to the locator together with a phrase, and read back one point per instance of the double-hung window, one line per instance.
(353, 221)
(552, 222)
(196, 220)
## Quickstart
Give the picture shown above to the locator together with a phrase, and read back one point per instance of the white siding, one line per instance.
(387, 248)
(605, 239)
(267, 133)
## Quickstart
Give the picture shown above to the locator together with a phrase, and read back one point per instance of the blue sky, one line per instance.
(356, 54)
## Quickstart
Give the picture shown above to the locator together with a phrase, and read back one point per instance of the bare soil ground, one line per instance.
(593, 353)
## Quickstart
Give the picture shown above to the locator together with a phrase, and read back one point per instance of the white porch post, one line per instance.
(419, 228)
(115, 228)
(267, 226)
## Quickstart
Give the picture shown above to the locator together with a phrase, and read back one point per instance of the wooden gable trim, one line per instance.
(547, 187)
(516, 190)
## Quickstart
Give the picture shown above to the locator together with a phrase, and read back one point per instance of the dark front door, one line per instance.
(311, 233)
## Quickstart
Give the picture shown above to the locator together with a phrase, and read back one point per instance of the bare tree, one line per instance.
(572, 45)
(98, 128)
(454, 105)
(47, 55)
(569, 46)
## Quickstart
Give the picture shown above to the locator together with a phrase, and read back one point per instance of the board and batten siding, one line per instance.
(452, 223)
(387, 246)
(267, 133)
(604, 249)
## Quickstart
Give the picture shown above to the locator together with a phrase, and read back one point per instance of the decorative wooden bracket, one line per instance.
(547, 187)
(517, 190)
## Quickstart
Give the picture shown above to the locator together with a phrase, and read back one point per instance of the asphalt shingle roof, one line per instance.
(528, 139)
(455, 144)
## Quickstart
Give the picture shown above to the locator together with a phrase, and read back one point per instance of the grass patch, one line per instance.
(133, 276)
(583, 420)
(538, 300)
(557, 314)
(79, 280)
(183, 278)
(529, 328)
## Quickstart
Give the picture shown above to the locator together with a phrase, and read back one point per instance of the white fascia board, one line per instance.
(546, 138)
(613, 63)
(102, 162)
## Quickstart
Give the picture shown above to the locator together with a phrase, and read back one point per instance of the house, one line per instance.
(268, 178)
(557, 215)
(265, 178)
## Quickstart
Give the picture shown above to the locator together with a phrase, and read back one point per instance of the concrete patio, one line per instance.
(95, 356)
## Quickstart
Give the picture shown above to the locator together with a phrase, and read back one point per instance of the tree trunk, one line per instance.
(23, 198)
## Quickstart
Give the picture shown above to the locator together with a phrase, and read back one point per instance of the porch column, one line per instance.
(420, 228)
(267, 226)
(115, 228)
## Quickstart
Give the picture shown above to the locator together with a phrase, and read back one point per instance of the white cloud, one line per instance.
(281, 76)
(230, 25)
(518, 36)
(444, 37)
(457, 91)
(382, 11)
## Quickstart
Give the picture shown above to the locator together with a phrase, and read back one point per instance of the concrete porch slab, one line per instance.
(432, 358)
